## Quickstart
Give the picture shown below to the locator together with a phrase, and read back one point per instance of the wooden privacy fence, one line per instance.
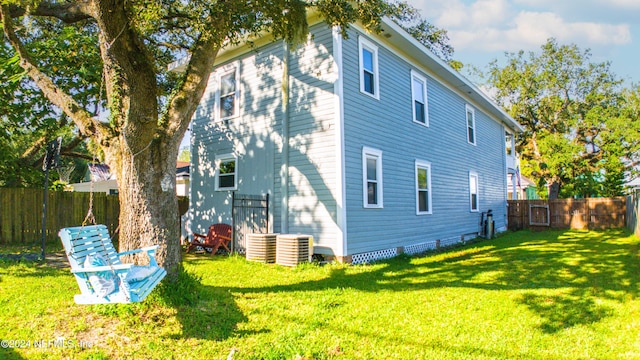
(592, 213)
(21, 213)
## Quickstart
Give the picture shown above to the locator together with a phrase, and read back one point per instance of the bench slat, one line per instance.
(79, 242)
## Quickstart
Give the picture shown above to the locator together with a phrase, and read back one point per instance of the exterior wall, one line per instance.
(387, 125)
(254, 137)
(302, 200)
(312, 164)
(305, 178)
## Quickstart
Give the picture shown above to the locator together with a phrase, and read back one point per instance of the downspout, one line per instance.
(284, 168)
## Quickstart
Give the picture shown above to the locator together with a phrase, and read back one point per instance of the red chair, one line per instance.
(217, 236)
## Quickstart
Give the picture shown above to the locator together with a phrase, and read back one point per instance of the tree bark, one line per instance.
(148, 202)
(554, 190)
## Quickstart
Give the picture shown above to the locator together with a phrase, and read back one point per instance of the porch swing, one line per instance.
(96, 265)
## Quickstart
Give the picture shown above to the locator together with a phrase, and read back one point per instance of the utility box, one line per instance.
(261, 247)
(293, 249)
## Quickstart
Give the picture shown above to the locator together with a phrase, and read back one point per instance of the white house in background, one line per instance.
(371, 143)
(99, 179)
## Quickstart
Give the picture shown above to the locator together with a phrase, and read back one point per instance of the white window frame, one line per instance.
(423, 165)
(473, 179)
(371, 47)
(370, 153)
(470, 110)
(224, 71)
(423, 80)
(219, 160)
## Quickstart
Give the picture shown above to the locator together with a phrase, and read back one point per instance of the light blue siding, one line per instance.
(312, 162)
(257, 138)
(308, 199)
(252, 136)
(387, 125)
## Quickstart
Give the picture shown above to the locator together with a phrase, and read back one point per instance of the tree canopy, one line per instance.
(82, 56)
(62, 39)
(581, 136)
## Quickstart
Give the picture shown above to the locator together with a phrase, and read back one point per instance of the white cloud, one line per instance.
(624, 4)
(496, 25)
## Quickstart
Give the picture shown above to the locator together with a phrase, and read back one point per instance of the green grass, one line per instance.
(525, 295)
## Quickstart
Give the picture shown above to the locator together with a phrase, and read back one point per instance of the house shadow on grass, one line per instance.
(575, 267)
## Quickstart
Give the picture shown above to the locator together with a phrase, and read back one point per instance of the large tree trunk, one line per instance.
(140, 147)
(148, 202)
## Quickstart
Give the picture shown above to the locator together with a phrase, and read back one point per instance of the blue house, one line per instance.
(370, 144)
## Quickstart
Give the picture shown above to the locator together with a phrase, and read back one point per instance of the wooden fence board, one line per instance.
(592, 213)
(21, 213)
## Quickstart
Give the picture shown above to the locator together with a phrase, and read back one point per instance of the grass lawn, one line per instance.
(525, 295)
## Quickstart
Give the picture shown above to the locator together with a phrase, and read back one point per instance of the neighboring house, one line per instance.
(632, 185)
(182, 178)
(371, 144)
(99, 178)
(525, 188)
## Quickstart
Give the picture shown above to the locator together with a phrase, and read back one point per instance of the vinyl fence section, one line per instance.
(592, 213)
(21, 213)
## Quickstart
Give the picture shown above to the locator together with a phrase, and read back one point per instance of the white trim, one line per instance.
(368, 153)
(468, 109)
(233, 67)
(363, 44)
(341, 191)
(415, 75)
(423, 165)
(223, 158)
(473, 179)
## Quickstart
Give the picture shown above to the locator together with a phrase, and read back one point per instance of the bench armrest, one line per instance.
(95, 269)
(148, 249)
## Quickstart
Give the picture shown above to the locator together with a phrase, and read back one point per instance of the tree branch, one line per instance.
(82, 118)
(186, 99)
(71, 12)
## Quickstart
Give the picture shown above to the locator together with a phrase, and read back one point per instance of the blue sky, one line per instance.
(483, 30)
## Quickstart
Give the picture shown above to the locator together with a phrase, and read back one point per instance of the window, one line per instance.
(419, 96)
(226, 172)
(471, 125)
(368, 68)
(228, 94)
(423, 187)
(372, 177)
(508, 142)
(473, 191)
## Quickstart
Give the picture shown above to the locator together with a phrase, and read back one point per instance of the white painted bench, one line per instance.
(80, 242)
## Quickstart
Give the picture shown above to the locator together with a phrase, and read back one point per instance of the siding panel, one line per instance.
(387, 125)
(256, 136)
